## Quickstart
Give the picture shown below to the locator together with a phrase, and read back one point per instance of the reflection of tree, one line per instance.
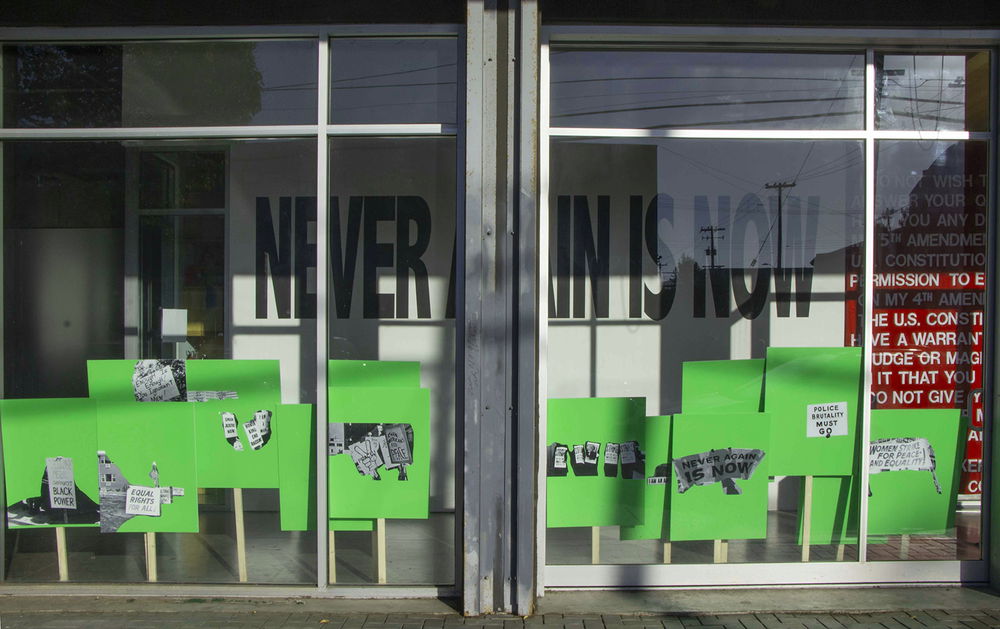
(147, 84)
(62, 86)
(194, 83)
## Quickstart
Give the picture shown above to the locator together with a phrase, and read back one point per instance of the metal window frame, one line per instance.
(862, 571)
(321, 132)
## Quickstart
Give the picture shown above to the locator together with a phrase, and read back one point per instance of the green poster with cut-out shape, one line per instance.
(723, 386)
(147, 479)
(56, 439)
(914, 461)
(378, 447)
(720, 476)
(656, 501)
(812, 395)
(590, 486)
(237, 443)
(297, 467)
(373, 373)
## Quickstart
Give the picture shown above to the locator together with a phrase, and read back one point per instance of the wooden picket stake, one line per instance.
(378, 550)
(666, 552)
(840, 551)
(721, 551)
(241, 535)
(151, 557)
(904, 546)
(807, 503)
(61, 555)
(331, 561)
(595, 545)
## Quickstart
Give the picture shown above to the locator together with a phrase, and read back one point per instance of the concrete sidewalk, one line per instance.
(883, 608)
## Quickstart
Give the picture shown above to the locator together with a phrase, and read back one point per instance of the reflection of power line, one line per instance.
(712, 251)
(779, 186)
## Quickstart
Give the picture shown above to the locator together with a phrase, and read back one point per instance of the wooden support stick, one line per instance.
(241, 535)
(379, 551)
(61, 555)
(666, 552)
(595, 545)
(807, 507)
(721, 551)
(331, 561)
(904, 546)
(840, 551)
(151, 557)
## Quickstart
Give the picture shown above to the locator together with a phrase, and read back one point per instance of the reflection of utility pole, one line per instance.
(711, 251)
(780, 187)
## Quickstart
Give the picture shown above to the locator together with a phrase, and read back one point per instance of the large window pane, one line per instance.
(392, 300)
(731, 90)
(172, 264)
(154, 84)
(676, 266)
(393, 80)
(930, 290)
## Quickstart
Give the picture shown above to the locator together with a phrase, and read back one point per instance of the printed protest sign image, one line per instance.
(717, 466)
(373, 446)
(903, 453)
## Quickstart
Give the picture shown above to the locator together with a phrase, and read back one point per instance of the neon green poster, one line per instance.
(597, 462)
(812, 394)
(373, 373)
(146, 467)
(720, 472)
(237, 443)
(656, 499)
(50, 462)
(723, 386)
(914, 462)
(297, 467)
(379, 452)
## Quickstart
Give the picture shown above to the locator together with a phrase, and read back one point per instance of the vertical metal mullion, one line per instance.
(988, 545)
(525, 359)
(869, 260)
(469, 306)
(542, 305)
(459, 386)
(322, 265)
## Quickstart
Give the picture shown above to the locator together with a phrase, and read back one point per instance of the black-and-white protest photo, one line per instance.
(717, 466)
(373, 446)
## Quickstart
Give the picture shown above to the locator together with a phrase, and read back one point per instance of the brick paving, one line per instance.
(111, 619)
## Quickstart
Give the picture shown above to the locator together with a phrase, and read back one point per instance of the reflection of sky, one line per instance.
(649, 89)
(922, 92)
(288, 82)
(390, 80)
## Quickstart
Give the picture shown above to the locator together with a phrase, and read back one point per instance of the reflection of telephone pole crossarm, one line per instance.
(711, 251)
(780, 187)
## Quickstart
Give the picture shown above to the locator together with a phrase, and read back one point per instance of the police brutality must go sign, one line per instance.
(826, 420)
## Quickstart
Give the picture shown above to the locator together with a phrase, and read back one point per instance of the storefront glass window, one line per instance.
(159, 84)
(926, 451)
(141, 354)
(393, 80)
(707, 372)
(691, 293)
(392, 370)
(651, 89)
(932, 92)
